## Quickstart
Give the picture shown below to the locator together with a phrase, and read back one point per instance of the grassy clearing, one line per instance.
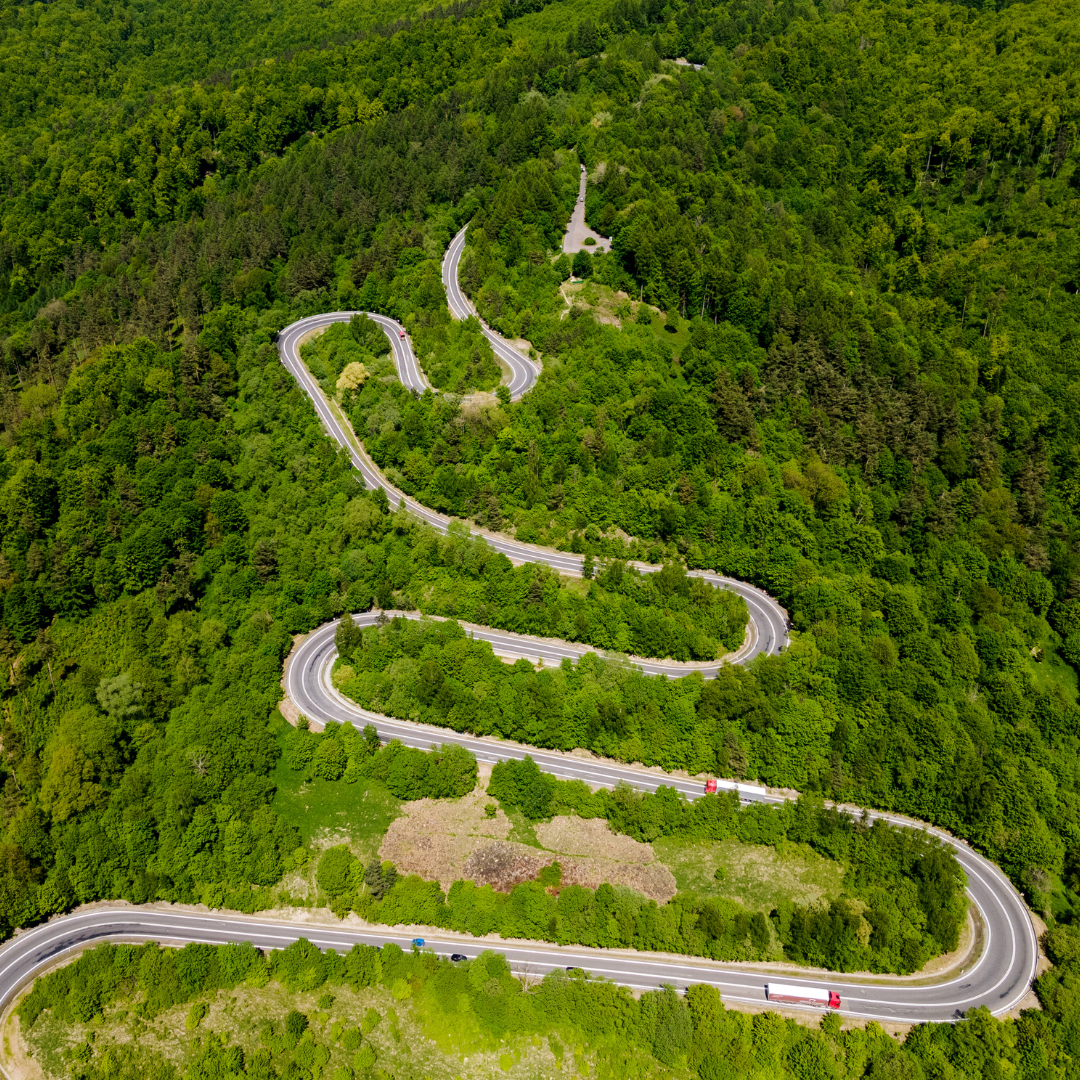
(552, 23)
(618, 309)
(360, 812)
(412, 1040)
(1051, 671)
(49, 1044)
(522, 829)
(755, 876)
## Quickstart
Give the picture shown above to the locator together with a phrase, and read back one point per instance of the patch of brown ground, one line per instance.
(435, 837)
(592, 839)
(445, 840)
(16, 1058)
(504, 864)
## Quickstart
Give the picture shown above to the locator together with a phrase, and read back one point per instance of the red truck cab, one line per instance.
(710, 786)
(834, 1000)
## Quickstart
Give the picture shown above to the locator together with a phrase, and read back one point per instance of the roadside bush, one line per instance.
(337, 867)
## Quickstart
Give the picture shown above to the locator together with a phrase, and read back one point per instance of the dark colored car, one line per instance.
(458, 957)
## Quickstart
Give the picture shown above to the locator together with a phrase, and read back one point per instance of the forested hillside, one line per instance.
(859, 393)
(833, 352)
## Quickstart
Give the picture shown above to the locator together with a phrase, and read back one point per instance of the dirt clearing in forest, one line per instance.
(445, 840)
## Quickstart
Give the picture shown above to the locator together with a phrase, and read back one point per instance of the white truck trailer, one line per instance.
(785, 993)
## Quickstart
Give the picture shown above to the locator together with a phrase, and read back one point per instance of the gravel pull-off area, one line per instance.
(577, 231)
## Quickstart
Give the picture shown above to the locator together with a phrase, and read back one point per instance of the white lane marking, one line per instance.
(524, 371)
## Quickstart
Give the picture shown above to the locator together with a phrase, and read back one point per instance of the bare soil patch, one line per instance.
(17, 1061)
(503, 864)
(445, 840)
(592, 838)
(435, 837)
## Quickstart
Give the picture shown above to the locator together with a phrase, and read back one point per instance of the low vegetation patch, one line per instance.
(758, 876)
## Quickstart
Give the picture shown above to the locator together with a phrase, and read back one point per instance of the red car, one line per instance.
(710, 787)
(401, 334)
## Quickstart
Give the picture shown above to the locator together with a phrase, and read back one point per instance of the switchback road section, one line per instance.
(768, 629)
(524, 371)
(1006, 967)
(998, 979)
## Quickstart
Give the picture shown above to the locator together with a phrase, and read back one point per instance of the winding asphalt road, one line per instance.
(524, 371)
(767, 631)
(998, 979)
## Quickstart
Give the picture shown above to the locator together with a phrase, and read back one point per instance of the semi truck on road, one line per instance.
(802, 995)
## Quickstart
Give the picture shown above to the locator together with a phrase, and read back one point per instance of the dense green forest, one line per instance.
(859, 390)
(172, 531)
(860, 396)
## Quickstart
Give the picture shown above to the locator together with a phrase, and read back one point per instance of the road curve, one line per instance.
(768, 629)
(22, 958)
(998, 980)
(523, 371)
(1007, 964)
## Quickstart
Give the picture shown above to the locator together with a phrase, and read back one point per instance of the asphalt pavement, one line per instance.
(998, 978)
(768, 627)
(1006, 965)
(522, 370)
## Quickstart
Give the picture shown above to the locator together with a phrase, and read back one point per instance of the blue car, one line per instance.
(418, 942)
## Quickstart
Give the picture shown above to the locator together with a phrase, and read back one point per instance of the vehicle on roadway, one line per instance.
(401, 334)
(418, 942)
(457, 958)
(802, 995)
(710, 786)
